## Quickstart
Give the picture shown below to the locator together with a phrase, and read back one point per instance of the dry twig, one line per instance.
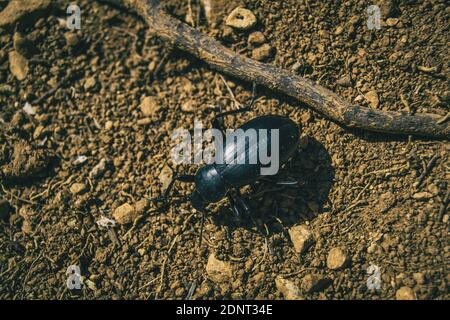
(317, 97)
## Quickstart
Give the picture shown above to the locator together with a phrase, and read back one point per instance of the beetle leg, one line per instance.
(239, 206)
(234, 207)
(243, 203)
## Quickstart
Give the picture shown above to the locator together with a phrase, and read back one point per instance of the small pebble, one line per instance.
(241, 19)
(90, 83)
(18, 65)
(422, 195)
(27, 228)
(288, 288)
(141, 206)
(405, 293)
(372, 98)
(188, 106)
(337, 259)
(391, 22)
(301, 237)
(256, 38)
(149, 106)
(72, 39)
(217, 270)
(124, 214)
(165, 176)
(345, 81)
(419, 277)
(109, 125)
(434, 189)
(78, 188)
(339, 30)
(262, 53)
(98, 170)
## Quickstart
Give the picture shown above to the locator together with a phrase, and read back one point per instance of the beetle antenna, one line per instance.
(201, 230)
(252, 101)
(175, 201)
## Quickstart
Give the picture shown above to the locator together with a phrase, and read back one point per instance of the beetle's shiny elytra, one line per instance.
(214, 181)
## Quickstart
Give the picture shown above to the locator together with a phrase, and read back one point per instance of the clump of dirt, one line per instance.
(25, 162)
(368, 213)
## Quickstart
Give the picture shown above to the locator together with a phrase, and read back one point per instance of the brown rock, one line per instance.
(144, 121)
(434, 189)
(141, 206)
(301, 237)
(372, 98)
(27, 227)
(78, 188)
(312, 283)
(98, 169)
(125, 214)
(306, 117)
(337, 259)
(72, 39)
(90, 84)
(165, 176)
(419, 277)
(345, 81)
(391, 22)
(339, 30)
(149, 106)
(188, 106)
(109, 125)
(217, 270)
(27, 161)
(38, 132)
(241, 19)
(262, 53)
(256, 38)
(422, 195)
(18, 65)
(405, 293)
(288, 288)
(101, 255)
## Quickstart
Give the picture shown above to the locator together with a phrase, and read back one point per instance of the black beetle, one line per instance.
(213, 182)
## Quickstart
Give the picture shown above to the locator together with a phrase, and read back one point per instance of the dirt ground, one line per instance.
(74, 155)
